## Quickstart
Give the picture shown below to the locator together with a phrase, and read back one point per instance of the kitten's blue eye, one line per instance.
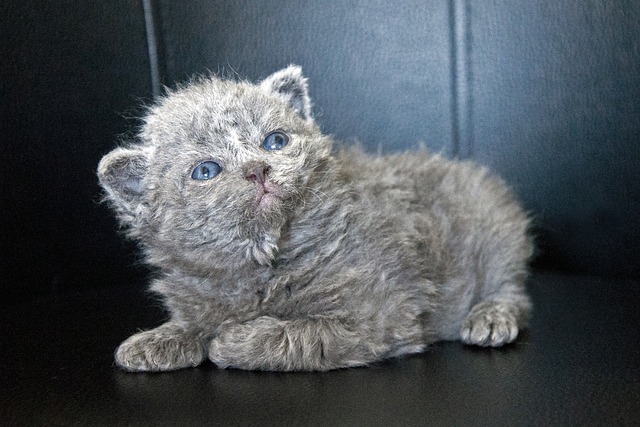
(275, 141)
(206, 170)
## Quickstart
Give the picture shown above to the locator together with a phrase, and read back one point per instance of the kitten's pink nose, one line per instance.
(257, 172)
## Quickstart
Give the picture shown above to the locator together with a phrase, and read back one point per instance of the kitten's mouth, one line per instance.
(268, 194)
(267, 200)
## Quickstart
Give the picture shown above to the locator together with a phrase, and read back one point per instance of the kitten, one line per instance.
(277, 253)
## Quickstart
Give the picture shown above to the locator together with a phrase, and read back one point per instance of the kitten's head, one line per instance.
(219, 169)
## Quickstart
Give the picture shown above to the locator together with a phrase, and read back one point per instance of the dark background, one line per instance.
(545, 93)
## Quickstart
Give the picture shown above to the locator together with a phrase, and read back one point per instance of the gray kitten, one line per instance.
(277, 253)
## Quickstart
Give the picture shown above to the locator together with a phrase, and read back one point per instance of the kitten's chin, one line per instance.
(268, 201)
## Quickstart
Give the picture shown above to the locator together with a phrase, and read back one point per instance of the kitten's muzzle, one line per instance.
(257, 172)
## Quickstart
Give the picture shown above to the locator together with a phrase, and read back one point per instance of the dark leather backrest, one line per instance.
(71, 72)
(545, 93)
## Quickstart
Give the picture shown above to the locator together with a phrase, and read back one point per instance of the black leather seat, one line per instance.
(546, 93)
(577, 365)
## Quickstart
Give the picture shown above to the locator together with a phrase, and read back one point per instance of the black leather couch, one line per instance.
(546, 93)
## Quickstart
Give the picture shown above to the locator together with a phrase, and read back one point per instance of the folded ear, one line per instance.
(121, 174)
(291, 86)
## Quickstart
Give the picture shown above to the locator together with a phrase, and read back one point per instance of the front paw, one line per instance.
(160, 349)
(490, 325)
(240, 346)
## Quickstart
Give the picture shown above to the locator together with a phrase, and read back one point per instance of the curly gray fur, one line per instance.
(335, 259)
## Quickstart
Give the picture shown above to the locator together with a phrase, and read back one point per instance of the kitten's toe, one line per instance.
(235, 346)
(217, 354)
(489, 325)
(153, 351)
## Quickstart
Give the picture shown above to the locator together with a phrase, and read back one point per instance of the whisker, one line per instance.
(204, 280)
(316, 193)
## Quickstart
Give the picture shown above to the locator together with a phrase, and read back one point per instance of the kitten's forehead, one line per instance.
(213, 108)
(215, 119)
(215, 115)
